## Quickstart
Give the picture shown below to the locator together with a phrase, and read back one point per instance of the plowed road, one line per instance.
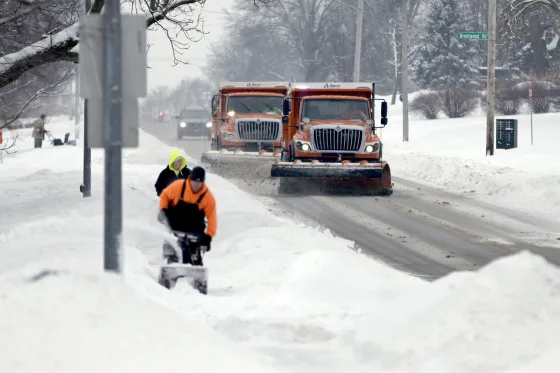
(423, 231)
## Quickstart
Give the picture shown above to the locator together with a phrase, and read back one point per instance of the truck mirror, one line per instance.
(384, 121)
(286, 107)
(285, 119)
(214, 105)
(384, 109)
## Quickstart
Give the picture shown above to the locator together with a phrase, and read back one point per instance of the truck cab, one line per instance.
(331, 122)
(247, 116)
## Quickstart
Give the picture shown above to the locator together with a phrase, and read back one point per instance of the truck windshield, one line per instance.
(195, 113)
(255, 105)
(337, 109)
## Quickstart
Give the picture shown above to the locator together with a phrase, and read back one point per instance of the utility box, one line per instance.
(506, 133)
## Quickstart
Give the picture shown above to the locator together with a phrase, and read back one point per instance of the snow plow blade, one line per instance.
(240, 163)
(327, 170)
(342, 177)
(195, 275)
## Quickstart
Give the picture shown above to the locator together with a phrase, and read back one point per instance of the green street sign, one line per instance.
(473, 35)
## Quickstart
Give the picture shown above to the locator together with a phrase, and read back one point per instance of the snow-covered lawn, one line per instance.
(282, 297)
(58, 126)
(451, 154)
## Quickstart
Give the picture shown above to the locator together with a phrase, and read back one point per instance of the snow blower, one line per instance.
(185, 262)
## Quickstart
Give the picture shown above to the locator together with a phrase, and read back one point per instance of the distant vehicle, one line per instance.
(195, 122)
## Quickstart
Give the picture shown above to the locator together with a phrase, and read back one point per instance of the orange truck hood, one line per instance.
(254, 116)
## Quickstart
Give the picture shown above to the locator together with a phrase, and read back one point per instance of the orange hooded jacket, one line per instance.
(171, 195)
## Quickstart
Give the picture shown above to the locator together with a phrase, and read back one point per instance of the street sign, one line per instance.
(134, 56)
(473, 35)
(130, 123)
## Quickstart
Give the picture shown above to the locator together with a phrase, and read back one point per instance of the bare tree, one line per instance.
(518, 7)
(13, 106)
(171, 15)
(7, 146)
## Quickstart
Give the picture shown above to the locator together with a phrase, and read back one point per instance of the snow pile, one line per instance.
(450, 153)
(494, 320)
(297, 298)
(289, 292)
(65, 316)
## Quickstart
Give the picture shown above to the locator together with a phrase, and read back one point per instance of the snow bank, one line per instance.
(291, 293)
(494, 320)
(290, 297)
(450, 153)
(66, 316)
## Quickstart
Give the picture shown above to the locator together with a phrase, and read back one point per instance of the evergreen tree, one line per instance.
(442, 61)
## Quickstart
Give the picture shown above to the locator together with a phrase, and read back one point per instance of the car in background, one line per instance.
(194, 122)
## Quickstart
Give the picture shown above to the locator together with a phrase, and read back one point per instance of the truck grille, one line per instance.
(258, 130)
(330, 139)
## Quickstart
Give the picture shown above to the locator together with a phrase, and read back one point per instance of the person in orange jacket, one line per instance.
(187, 203)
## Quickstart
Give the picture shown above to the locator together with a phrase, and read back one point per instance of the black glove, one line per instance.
(205, 241)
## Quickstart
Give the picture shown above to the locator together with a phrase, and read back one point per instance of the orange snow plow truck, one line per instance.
(246, 126)
(330, 139)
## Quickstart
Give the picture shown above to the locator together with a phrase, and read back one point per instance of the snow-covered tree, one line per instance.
(442, 61)
(175, 17)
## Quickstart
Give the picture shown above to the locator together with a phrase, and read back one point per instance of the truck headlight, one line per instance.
(209, 124)
(183, 124)
(372, 148)
(303, 146)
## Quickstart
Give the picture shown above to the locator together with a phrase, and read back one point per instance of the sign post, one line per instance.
(113, 63)
(531, 104)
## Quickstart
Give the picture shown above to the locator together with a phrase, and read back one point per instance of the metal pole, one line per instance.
(112, 115)
(86, 186)
(358, 47)
(77, 107)
(491, 87)
(404, 67)
(531, 102)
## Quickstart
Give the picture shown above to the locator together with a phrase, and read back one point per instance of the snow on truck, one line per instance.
(329, 139)
(246, 124)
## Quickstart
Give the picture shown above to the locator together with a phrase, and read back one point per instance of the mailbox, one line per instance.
(506, 133)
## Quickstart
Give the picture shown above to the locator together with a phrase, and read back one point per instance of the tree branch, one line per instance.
(10, 143)
(32, 98)
(18, 15)
(158, 16)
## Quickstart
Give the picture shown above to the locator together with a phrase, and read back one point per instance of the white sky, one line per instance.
(160, 57)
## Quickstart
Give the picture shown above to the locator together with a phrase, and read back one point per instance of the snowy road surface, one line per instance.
(421, 230)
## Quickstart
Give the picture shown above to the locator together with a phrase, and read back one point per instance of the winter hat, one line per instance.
(198, 174)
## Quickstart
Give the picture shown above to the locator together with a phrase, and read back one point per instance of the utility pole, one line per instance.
(404, 67)
(112, 97)
(85, 188)
(77, 107)
(491, 84)
(358, 49)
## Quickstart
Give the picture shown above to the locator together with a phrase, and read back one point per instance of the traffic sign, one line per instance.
(473, 35)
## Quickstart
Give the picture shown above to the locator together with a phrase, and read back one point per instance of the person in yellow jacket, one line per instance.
(186, 204)
(176, 169)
